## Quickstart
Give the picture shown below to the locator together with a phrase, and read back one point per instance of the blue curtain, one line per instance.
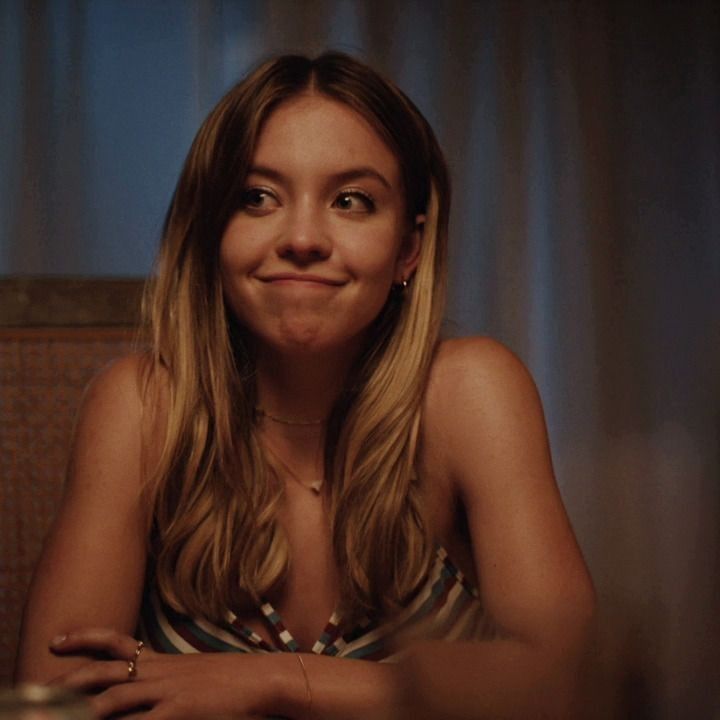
(584, 148)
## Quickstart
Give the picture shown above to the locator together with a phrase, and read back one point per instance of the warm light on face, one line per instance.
(309, 258)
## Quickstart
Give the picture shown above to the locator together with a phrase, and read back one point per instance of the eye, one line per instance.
(354, 201)
(258, 199)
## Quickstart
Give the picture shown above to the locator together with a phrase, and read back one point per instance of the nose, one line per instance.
(304, 239)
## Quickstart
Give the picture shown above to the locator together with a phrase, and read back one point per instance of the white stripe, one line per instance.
(181, 644)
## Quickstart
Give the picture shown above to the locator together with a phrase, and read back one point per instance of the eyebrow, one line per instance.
(355, 173)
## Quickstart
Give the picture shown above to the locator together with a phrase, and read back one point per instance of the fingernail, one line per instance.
(58, 640)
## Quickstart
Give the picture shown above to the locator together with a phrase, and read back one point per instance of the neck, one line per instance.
(301, 390)
(297, 395)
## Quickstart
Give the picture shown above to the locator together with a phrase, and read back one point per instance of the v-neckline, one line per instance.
(328, 643)
(331, 640)
(435, 604)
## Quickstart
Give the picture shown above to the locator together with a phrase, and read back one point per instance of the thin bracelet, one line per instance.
(308, 692)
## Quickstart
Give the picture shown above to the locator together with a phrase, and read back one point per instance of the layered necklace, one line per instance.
(316, 485)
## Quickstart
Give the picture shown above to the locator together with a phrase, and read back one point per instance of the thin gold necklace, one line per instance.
(286, 421)
(315, 486)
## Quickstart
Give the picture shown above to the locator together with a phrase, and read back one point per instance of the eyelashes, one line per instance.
(348, 200)
(260, 200)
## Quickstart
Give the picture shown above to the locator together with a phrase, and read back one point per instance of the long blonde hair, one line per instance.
(217, 544)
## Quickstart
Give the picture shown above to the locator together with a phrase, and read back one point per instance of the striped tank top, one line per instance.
(446, 607)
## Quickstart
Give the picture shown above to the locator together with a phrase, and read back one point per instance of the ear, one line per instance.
(409, 254)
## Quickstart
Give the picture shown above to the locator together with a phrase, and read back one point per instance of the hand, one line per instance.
(199, 686)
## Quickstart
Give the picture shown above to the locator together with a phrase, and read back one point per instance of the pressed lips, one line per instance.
(306, 278)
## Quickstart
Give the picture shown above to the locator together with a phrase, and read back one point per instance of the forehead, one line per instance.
(317, 133)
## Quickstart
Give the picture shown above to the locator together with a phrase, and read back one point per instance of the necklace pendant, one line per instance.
(316, 486)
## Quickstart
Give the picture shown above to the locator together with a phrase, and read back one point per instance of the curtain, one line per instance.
(583, 143)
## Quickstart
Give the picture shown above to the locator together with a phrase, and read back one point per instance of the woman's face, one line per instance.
(308, 260)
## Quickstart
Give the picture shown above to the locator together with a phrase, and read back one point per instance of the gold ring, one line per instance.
(132, 663)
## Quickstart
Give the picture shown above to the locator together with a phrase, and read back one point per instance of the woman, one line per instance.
(298, 446)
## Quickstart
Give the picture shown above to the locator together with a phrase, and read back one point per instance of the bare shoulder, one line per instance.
(130, 380)
(126, 391)
(117, 384)
(118, 416)
(477, 383)
(91, 569)
(475, 360)
(485, 419)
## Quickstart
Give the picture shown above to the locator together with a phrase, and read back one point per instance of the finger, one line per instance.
(105, 640)
(127, 697)
(98, 674)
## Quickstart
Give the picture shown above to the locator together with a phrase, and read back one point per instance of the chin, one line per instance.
(312, 345)
(315, 341)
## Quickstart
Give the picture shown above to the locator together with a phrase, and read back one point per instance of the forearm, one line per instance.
(498, 679)
(491, 679)
(450, 680)
(340, 689)
(46, 620)
(36, 664)
(55, 609)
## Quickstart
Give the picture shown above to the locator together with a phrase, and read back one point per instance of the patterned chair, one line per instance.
(55, 335)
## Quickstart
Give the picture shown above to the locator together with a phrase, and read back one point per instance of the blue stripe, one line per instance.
(442, 578)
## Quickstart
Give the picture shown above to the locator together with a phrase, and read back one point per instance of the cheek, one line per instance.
(233, 268)
(238, 257)
(379, 280)
(373, 256)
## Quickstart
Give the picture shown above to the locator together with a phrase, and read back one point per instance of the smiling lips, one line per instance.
(301, 279)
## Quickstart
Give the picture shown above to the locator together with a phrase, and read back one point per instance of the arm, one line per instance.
(485, 417)
(199, 686)
(483, 413)
(88, 584)
(91, 569)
